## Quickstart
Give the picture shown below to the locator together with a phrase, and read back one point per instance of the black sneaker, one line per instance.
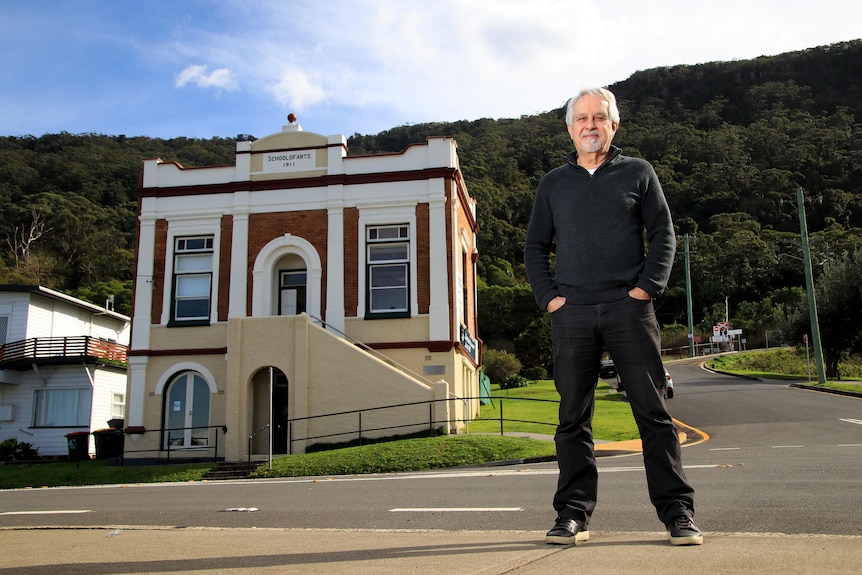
(566, 532)
(682, 531)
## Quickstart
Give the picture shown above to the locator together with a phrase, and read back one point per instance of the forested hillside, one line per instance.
(731, 142)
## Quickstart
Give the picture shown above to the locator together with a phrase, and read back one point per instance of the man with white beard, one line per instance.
(592, 214)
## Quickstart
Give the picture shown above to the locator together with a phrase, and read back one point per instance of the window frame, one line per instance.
(41, 406)
(185, 252)
(379, 237)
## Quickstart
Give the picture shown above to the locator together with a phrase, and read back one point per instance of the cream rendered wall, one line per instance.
(325, 374)
(159, 371)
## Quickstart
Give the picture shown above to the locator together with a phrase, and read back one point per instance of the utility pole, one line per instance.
(809, 288)
(691, 348)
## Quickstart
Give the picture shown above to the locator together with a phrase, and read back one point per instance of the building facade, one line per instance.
(298, 283)
(62, 367)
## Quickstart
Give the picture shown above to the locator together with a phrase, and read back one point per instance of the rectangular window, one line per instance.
(118, 405)
(388, 270)
(62, 407)
(4, 327)
(193, 266)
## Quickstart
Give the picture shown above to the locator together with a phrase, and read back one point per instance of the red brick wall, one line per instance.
(224, 267)
(423, 258)
(160, 254)
(351, 262)
(263, 228)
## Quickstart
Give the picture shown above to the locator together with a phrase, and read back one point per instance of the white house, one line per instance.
(62, 367)
(297, 283)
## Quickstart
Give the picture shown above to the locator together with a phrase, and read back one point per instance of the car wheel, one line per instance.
(669, 393)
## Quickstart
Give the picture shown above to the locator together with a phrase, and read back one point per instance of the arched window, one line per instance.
(187, 411)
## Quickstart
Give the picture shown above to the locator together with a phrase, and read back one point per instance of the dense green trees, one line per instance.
(730, 142)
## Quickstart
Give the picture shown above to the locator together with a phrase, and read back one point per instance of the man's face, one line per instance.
(592, 129)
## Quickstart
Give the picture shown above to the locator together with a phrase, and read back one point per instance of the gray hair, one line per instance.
(604, 94)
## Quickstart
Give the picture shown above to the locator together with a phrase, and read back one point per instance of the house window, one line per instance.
(193, 266)
(118, 405)
(62, 407)
(4, 326)
(388, 270)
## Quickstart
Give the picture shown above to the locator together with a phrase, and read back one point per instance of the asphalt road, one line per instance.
(778, 460)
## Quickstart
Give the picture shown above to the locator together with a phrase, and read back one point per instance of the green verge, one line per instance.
(612, 421)
(408, 455)
(94, 472)
(788, 364)
(482, 443)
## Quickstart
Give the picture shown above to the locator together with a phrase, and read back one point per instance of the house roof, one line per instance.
(51, 294)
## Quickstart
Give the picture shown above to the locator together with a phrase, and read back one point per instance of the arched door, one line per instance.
(292, 292)
(270, 412)
(187, 411)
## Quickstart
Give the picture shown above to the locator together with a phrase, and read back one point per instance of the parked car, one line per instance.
(616, 383)
(608, 369)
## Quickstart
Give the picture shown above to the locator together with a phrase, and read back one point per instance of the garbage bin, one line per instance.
(109, 443)
(78, 443)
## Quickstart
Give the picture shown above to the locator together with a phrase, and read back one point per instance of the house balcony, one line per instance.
(21, 355)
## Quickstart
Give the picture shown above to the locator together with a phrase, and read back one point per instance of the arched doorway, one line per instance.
(270, 412)
(187, 411)
(292, 291)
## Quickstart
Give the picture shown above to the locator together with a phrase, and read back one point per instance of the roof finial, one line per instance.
(293, 126)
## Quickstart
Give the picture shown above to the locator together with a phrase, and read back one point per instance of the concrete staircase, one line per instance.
(229, 470)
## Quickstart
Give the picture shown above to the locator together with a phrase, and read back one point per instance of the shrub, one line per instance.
(514, 381)
(499, 365)
(535, 373)
(13, 449)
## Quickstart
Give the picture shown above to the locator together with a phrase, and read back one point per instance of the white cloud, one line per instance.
(413, 61)
(221, 79)
(294, 88)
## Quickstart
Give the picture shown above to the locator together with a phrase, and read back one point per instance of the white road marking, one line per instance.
(725, 449)
(851, 420)
(452, 509)
(48, 512)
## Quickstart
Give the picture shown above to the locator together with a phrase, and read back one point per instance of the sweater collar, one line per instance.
(572, 158)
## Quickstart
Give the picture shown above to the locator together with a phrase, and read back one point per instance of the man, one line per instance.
(593, 213)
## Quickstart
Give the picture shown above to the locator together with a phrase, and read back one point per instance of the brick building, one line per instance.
(301, 282)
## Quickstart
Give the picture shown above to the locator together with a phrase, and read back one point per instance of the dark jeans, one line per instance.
(630, 332)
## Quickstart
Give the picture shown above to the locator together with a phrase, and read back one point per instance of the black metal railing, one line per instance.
(165, 446)
(361, 431)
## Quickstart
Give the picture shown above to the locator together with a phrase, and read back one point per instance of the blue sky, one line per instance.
(205, 68)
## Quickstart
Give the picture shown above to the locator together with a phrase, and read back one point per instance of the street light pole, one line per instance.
(688, 300)
(809, 288)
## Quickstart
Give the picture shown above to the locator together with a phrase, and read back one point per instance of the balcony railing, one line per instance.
(59, 350)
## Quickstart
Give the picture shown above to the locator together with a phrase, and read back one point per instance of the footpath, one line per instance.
(207, 551)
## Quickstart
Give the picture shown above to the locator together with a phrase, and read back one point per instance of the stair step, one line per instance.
(230, 470)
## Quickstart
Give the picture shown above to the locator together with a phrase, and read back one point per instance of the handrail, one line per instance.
(168, 450)
(359, 430)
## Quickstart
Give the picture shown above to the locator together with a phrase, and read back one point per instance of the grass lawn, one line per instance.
(482, 444)
(613, 420)
(95, 472)
(789, 364)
